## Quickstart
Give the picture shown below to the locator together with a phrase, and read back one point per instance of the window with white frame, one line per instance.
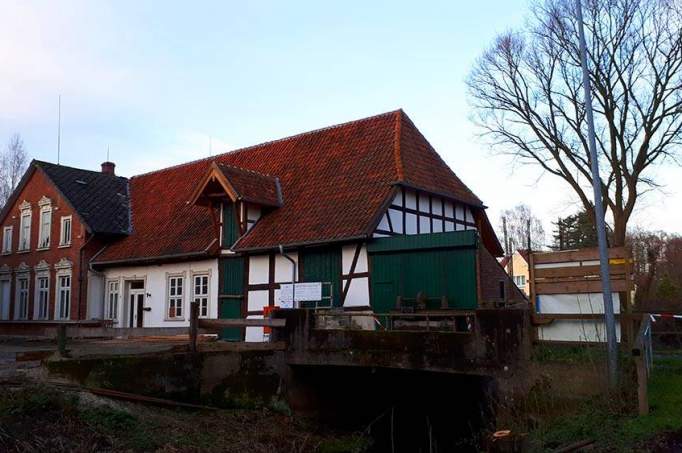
(7, 239)
(111, 310)
(42, 295)
(22, 297)
(65, 231)
(45, 227)
(25, 230)
(520, 280)
(175, 295)
(200, 293)
(63, 308)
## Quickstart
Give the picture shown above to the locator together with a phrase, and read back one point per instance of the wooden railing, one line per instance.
(197, 324)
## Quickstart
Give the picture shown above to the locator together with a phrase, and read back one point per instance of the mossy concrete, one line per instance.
(246, 378)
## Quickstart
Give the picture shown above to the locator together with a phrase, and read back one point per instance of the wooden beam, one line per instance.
(193, 325)
(580, 271)
(218, 324)
(588, 254)
(582, 287)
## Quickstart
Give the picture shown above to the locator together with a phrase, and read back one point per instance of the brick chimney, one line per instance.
(109, 168)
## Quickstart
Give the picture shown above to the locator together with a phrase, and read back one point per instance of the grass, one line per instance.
(613, 428)
(37, 418)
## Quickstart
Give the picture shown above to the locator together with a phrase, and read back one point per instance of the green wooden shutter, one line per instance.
(231, 297)
(230, 225)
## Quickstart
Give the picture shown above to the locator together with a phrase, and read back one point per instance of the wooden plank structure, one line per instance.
(197, 324)
(575, 272)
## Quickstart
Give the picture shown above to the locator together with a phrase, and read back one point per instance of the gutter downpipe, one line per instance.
(80, 273)
(92, 269)
(293, 275)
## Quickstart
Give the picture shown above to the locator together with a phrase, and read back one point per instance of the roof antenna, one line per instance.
(59, 127)
(107, 153)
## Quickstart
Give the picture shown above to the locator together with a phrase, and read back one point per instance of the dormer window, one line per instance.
(24, 227)
(243, 196)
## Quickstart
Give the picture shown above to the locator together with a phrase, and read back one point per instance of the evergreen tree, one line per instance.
(574, 232)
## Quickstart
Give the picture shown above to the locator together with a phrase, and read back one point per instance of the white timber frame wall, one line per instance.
(355, 275)
(265, 274)
(156, 288)
(417, 212)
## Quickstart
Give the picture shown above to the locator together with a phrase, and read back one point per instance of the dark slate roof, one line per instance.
(102, 200)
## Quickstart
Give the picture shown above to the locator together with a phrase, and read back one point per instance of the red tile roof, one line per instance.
(334, 181)
(251, 186)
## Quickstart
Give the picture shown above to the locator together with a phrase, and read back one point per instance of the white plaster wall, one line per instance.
(358, 291)
(423, 204)
(283, 268)
(424, 224)
(383, 224)
(257, 300)
(396, 220)
(259, 267)
(155, 286)
(410, 199)
(347, 253)
(579, 330)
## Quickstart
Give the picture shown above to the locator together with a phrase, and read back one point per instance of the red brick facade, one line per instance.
(492, 276)
(37, 187)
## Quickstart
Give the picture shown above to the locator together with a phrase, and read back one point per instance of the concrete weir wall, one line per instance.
(223, 378)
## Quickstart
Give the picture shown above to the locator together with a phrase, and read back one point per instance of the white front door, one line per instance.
(4, 299)
(136, 308)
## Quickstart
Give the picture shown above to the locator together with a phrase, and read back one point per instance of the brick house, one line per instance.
(56, 220)
(357, 208)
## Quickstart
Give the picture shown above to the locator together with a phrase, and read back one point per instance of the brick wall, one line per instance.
(492, 275)
(38, 186)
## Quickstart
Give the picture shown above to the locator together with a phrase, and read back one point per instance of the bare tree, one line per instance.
(517, 220)
(13, 163)
(526, 94)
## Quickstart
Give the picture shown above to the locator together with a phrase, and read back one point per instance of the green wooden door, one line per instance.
(441, 264)
(231, 295)
(324, 265)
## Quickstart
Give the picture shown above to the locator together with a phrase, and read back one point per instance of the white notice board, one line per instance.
(305, 292)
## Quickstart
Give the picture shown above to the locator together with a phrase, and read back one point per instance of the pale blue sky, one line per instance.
(154, 80)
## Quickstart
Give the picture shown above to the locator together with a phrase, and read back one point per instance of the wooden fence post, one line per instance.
(61, 339)
(193, 326)
(642, 381)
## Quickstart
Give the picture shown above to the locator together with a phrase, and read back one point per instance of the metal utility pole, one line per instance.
(59, 127)
(610, 321)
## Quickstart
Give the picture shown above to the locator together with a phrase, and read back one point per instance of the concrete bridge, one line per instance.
(495, 343)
